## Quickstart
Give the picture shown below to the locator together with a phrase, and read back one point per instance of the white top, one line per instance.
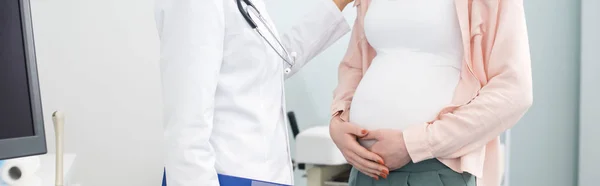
(223, 90)
(417, 67)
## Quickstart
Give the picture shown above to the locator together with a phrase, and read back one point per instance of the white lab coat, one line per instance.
(223, 89)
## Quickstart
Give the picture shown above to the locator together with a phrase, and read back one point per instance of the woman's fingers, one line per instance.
(345, 134)
(372, 135)
(366, 154)
(369, 172)
(371, 166)
(354, 129)
(365, 164)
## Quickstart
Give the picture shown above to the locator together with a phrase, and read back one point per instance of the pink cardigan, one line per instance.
(494, 92)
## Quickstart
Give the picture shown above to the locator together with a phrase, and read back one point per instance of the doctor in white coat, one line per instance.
(223, 88)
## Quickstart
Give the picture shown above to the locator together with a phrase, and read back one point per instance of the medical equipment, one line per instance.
(324, 162)
(58, 119)
(295, 132)
(288, 58)
(22, 125)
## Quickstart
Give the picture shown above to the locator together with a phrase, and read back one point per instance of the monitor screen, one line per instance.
(15, 103)
(21, 118)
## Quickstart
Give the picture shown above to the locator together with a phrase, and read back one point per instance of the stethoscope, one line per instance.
(289, 58)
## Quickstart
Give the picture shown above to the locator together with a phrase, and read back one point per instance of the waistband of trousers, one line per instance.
(423, 166)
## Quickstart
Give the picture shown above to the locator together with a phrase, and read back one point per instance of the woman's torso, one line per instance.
(417, 67)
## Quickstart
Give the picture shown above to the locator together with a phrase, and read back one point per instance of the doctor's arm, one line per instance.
(498, 106)
(319, 29)
(191, 35)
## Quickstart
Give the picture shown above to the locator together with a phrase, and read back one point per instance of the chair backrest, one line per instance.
(293, 124)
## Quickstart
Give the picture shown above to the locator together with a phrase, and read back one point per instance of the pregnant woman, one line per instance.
(427, 87)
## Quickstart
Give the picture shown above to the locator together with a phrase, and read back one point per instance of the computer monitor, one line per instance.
(21, 120)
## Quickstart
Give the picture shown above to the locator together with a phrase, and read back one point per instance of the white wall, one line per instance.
(589, 150)
(544, 143)
(98, 63)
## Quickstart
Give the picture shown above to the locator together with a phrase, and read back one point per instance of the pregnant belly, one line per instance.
(400, 91)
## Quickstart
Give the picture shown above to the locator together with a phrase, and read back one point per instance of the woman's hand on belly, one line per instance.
(344, 135)
(389, 144)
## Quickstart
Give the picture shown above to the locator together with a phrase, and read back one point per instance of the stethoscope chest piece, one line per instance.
(289, 69)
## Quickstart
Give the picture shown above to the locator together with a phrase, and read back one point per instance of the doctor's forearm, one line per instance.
(341, 4)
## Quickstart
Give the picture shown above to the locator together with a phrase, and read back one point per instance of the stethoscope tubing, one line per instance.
(245, 13)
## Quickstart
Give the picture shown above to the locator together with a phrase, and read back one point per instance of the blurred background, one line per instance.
(98, 62)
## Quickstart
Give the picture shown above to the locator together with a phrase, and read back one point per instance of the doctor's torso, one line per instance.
(249, 133)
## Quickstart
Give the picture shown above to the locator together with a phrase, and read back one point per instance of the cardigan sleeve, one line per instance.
(500, 103)
(350, 72)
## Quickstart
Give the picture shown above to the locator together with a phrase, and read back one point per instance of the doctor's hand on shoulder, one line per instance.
(341, 4)
(345, 135)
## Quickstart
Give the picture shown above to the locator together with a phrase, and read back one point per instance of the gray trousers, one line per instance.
(426, 173)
